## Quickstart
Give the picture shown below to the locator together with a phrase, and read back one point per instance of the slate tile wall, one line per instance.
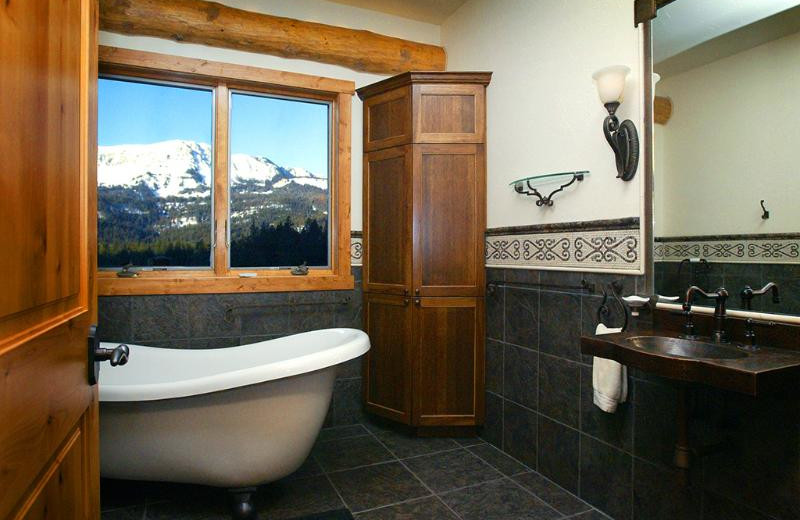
(672, 279)
(198, 321)
(539, 410)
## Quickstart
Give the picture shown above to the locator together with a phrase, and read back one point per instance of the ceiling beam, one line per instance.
(217, 25)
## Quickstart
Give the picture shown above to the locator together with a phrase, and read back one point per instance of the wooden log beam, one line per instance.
(662, 110)
(217, 25)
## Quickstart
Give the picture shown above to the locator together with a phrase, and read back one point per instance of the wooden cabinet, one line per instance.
(424, 222)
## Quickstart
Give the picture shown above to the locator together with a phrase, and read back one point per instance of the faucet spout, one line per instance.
(720, 297)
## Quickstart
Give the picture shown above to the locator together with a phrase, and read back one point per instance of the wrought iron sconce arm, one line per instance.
(624, 140)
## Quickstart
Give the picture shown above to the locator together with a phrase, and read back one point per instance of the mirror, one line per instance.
(726, 149)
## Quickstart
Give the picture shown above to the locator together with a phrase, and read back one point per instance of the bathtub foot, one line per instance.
(243, 507)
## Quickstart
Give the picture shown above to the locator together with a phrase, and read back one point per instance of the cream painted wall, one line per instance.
(733, 139)
(311, 10)
(544, 114)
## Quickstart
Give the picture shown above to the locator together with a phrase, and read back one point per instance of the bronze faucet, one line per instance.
(747, 296)
(719, 334)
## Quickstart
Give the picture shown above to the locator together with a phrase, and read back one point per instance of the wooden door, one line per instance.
(48, 411)
(387, 220)
(449, 220)
(449, 358)
(388, 364)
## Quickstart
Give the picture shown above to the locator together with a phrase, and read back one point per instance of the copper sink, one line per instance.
(765, 370)
(685, 348)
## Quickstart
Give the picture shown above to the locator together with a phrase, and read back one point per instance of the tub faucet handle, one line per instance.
(115, 356)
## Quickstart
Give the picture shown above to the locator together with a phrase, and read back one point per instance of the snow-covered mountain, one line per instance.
(181, 168)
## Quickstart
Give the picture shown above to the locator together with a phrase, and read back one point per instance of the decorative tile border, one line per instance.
(356, 248)
(751, 249)
(596, 245)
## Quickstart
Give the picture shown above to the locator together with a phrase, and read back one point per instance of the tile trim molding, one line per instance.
(356, 248)
(751, 249)
(603, 245)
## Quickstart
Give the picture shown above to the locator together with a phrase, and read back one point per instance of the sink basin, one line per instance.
(685, 348)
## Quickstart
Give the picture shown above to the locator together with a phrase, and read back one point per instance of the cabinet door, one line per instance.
(387, 221)
(449, 219)
(449, 113)
(387, 365)
(387, 119)
(449, 355)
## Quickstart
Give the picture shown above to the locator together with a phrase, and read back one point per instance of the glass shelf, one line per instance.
(547, 177)
(528, 185)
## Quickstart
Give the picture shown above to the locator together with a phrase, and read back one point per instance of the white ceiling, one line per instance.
(684, 24)
(431, 11)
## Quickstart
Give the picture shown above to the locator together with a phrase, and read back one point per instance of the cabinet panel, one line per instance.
(387, 119)
(387, 220)
(388, 364)
(449, 113)
(449, 354)
(449, 220)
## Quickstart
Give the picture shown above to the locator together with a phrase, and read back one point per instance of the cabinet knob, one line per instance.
(405, 291)
(405, 301)
(417, 302)
(416, 291)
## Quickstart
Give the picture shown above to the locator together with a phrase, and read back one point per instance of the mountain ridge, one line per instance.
(182, 168)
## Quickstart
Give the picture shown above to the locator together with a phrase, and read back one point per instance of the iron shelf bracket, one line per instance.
(525, 187)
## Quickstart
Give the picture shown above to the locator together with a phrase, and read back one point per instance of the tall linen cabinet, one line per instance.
(424, 221)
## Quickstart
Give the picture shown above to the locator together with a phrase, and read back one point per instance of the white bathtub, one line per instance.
(230, 417)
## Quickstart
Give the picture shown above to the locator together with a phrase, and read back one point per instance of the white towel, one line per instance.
(609, 379)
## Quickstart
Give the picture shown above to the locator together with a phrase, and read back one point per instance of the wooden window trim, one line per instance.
(224, 77)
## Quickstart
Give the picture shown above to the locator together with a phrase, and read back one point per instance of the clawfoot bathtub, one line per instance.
(230, 417)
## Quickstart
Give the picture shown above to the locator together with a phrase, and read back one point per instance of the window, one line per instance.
(219, 182)
(154, 174)
(278, 181)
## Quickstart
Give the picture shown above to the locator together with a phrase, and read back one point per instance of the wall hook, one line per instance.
(764, 215)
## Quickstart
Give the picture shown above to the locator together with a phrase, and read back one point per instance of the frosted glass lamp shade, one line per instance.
(610, 83)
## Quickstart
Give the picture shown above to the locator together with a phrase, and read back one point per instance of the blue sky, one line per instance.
(290, 133)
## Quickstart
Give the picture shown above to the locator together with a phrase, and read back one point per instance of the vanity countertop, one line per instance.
(764, 371)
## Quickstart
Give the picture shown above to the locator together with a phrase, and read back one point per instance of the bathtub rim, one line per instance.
(355, 347)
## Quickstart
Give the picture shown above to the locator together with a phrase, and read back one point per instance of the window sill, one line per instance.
(205, 282)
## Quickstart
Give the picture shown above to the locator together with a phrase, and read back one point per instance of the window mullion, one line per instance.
(222, 115)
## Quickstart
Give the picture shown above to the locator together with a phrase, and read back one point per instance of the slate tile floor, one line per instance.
(376, 473)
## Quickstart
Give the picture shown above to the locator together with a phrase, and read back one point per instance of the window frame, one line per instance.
(224, 78)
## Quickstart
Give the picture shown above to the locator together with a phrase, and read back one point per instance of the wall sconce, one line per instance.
(622, 137)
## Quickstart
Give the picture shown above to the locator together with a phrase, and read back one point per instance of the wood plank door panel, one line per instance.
(388, 364)
(449, 220)
(48, 411)
(449, 113)
(387, 221)
(387, 119)
(449, 354)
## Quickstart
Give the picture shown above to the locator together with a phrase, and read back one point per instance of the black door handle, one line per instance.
(116, 356)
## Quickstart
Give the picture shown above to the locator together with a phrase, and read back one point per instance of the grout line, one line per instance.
(415, 475)
(330, 481)
(381, 463)
(336, 490)
(573, 428)
(392, 504)
(534, 495)
(434, 453)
